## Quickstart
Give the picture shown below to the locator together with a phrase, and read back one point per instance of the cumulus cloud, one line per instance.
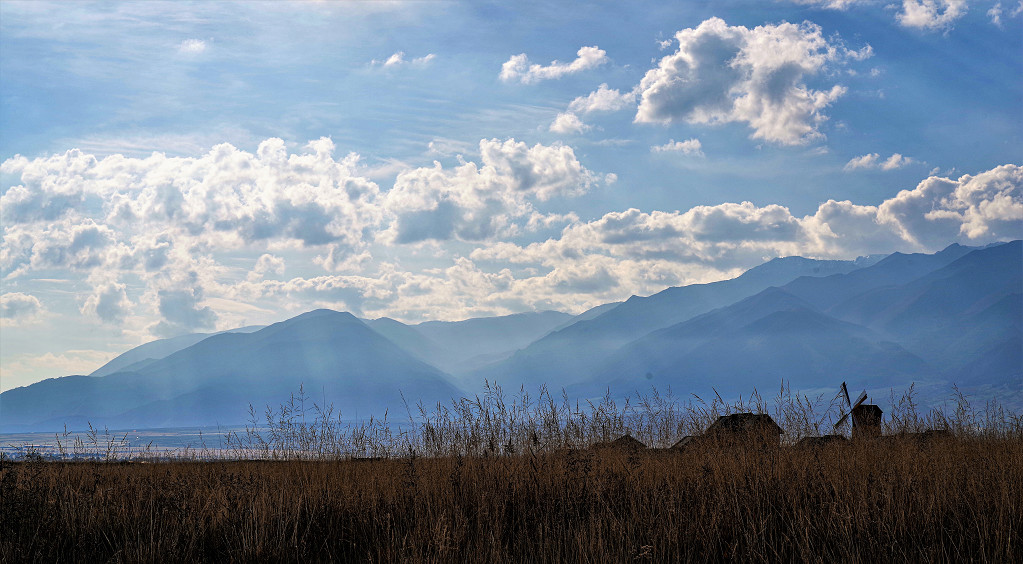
(875, 161)
(568, 122)
(931, 14)
(148, 216)
(267, 263)
(706, 243)
(18, 308)
(398, 59)
(518, 67)
(639, 252)
(689, 147)
(230, 196)
(603, 99)
(831, 4)
(985, 207)
(723, 73)
(182, 313)
(478, 201)
(109, 302)
(163, 244)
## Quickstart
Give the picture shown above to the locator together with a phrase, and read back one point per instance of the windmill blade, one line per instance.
(861, 399)
(845, 394)
(842, 420)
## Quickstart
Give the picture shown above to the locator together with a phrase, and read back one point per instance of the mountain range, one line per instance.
(880, 323)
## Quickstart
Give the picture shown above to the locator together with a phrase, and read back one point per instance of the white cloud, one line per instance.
(192, 47)
(269, 263)
(228, 196)
(723, 73)
(982, 208)
(168, 245)
(160, 219)
(398, 59)
(831, 4)
(568, 122)
(109, 302)
(995, 13)
(931, 14)
(634, 252)
(182, 313)
(689, 147)
(896, 161)
(603, 99)
(518, 68)
(476, 202)
(706, 243)
(17, 308)
(864, 161)
(874, 161)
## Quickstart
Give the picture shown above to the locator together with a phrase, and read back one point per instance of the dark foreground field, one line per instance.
(897, 500)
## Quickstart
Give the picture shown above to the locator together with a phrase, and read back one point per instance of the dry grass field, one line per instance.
(463, 491)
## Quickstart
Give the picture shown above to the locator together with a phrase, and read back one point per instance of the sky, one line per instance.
(170, 168)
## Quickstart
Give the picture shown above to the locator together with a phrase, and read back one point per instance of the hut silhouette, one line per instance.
(625, 443)
(745, 429)
(737, 429)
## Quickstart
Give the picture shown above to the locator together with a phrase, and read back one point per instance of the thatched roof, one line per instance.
(744, 423)
(625, 442)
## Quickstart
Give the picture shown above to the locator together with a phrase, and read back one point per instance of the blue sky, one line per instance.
(177, 167)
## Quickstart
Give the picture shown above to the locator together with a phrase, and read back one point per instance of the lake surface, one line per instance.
(125, 441)
(184, 442)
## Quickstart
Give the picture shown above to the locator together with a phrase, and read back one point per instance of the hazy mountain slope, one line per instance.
(335, 356)
(966, 283)
(758, 342)
(161, 348)
(893, 270)
(956, 315)
(589, 314)
(409, 338)
(576, 352)
(958, 323)
(488, 337)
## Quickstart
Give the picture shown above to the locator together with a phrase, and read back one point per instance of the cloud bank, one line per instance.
(175, 245)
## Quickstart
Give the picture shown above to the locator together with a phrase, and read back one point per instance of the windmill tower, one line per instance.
(866, 418)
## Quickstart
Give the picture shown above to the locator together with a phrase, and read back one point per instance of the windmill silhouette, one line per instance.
(866, 418)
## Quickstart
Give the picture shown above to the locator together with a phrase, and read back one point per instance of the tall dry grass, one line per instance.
(503, 479)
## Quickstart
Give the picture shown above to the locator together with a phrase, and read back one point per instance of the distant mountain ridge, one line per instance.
(574, 353)
(161, 348)
(951, 316)
(955, 316)
(459, 346)
(333, 355)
